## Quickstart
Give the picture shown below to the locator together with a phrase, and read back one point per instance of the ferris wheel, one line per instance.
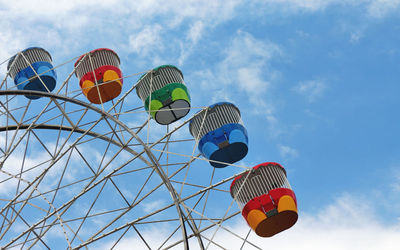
(84, 164)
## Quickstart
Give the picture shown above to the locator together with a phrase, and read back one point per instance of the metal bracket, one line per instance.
(167, 102)
(271, 212)
(223, 144)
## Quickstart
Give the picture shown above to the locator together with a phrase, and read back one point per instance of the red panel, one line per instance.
(265, 203)
(279, 192)
(99, 74)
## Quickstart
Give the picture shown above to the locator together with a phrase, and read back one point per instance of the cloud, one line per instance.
(193, 35)
(274, 125)
(287, 152)
(69, 26)
(348, 223)
(155, 236)
(195, 32)
(310, 5)
(381, 8)
(145, 26)
(312, 90)
(149, 207)
(247, 63)
(396, 183)
(147, 39)
(246, 72)
(245, 68)
(371, 8)
(355, 36)
(36, 159)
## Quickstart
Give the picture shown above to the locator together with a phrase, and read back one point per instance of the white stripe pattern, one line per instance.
(260, 181)
(99, 58)
(161, 77)
(217, 116)
(32, 55)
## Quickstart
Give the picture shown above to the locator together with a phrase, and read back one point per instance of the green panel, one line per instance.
(179, 94)
(173, 91)
(155, 106)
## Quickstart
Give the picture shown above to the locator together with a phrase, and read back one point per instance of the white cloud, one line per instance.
(381, 8)
(247, 65)
(287, 152)
(373, 8)
(355, 36)
(66, 26)
(245, 68)
(396, 183)
(155, 236)
(36, 159)
(195, 32)
(390, 194)
(193, 36)
(252, 81)
(147, 39)
(311, 89)
(245, 71)
(348, 223)
(310, 5)
(274, 126)
(9, 45)
(149, 207)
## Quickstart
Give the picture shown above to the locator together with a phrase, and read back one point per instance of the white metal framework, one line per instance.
(77, 175)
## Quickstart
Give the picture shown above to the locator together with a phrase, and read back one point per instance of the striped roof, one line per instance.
(100, 57)
(218, 114)
(32, 54)
(259, 180)
(156, 79)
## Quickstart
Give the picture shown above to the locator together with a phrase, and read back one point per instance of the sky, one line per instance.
(316, 83)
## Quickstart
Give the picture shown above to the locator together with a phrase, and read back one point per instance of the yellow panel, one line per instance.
(255, 217)
(286, 203)
(86, 86)
(111, 75)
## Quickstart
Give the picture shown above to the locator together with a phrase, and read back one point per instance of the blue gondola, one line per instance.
(32, 69)
(222, 136)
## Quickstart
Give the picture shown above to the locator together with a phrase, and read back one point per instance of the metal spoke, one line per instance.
(82, 175)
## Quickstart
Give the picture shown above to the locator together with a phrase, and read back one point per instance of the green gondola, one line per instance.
(167, 93)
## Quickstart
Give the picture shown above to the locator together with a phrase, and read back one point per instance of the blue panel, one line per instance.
(42, 69)
(37, 85)
(234, 134)
(237, 135)
(208, 149)
(230, 154)
(21, 82)
(48, 76)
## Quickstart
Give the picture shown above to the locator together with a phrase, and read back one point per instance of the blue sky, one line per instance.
(316, 82)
